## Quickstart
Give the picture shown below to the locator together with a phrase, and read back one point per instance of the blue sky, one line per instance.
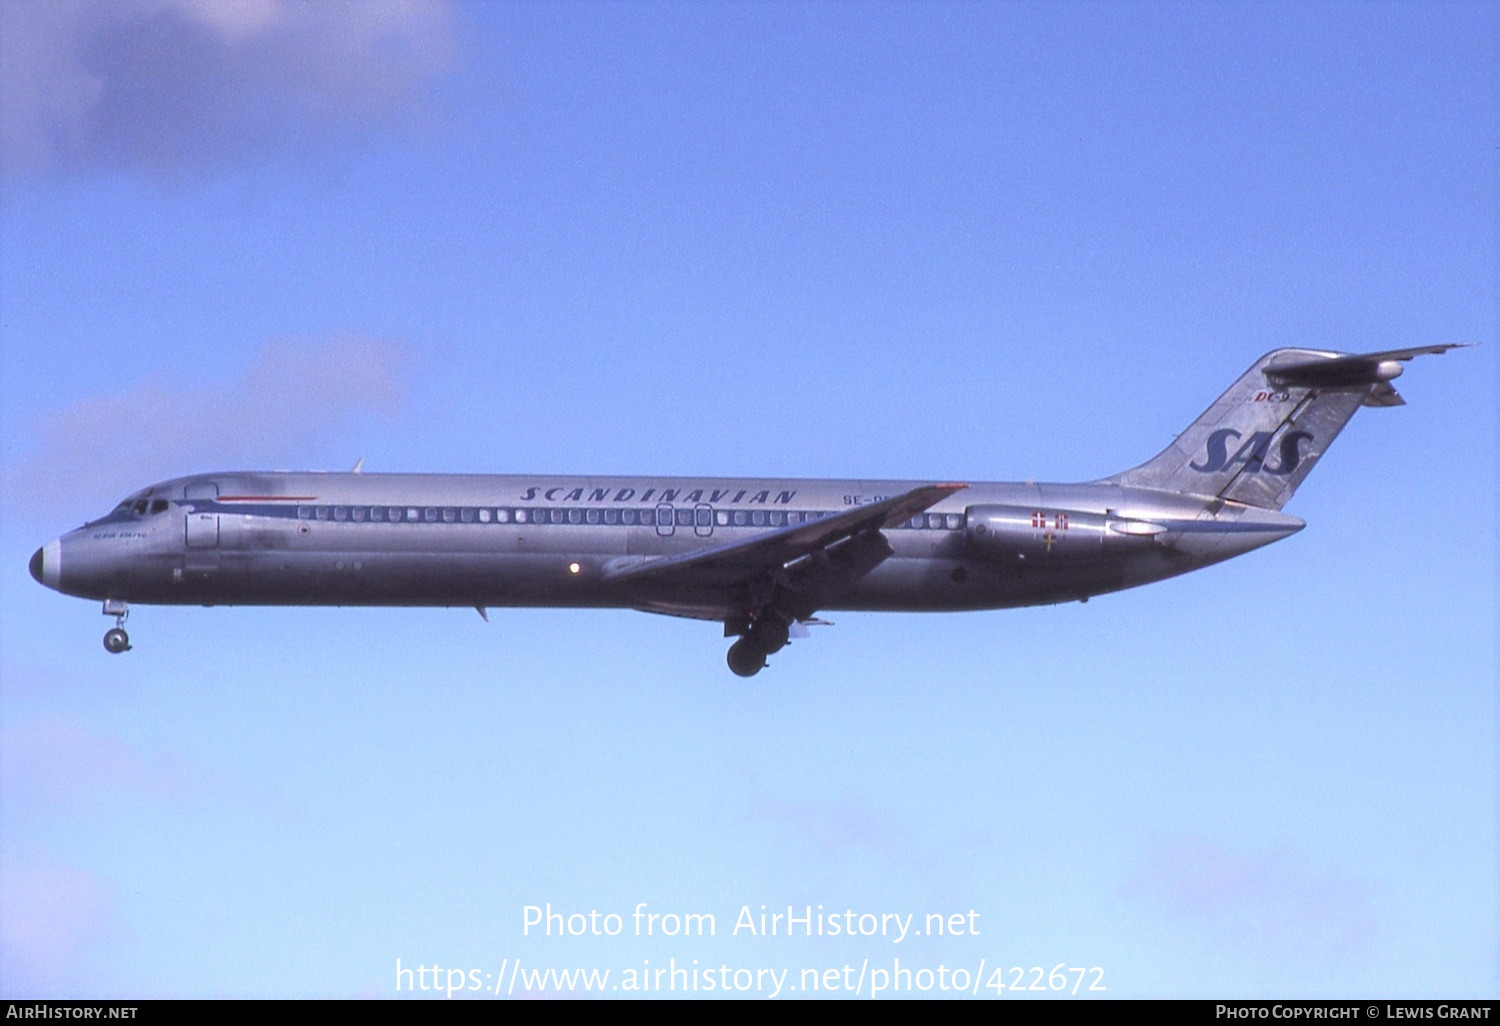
(983, 242)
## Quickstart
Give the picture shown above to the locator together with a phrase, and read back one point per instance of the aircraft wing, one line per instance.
(788, 551)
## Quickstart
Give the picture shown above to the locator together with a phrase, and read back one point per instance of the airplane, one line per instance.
(761, 556)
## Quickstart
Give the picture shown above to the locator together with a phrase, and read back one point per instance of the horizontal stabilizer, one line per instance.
(1348, 370)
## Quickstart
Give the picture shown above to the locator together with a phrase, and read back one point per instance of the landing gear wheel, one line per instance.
(746, 658)
(116, 641)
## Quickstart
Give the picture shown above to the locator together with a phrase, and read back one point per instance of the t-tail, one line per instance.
(1264, 435)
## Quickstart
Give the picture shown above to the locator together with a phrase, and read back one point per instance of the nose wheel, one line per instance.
(115, 639)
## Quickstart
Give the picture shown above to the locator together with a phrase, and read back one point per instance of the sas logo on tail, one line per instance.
(1252, 452)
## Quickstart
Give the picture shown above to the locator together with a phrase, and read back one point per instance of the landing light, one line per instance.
(573, 568)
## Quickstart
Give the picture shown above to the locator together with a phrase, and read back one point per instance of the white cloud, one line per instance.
(840, 828)
(1270, 904)
(54, 913)
(58, 765)
(89, 454)
(55, 764)
(171, 85)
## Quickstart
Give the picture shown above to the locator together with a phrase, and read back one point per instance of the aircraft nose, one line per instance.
(46, 565)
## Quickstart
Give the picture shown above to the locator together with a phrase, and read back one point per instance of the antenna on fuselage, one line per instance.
(359, 466)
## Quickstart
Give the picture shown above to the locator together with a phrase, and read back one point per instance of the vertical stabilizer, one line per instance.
(1263, 436)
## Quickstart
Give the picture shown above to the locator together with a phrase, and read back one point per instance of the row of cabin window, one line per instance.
(682, 516)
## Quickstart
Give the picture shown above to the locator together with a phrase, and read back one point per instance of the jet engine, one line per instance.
(1017, 534)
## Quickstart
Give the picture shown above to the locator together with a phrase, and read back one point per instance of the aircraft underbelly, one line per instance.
(259, 563)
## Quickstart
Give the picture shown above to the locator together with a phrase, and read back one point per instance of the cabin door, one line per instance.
(202, 528)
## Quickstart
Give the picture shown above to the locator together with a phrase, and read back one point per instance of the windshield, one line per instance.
(141, 507)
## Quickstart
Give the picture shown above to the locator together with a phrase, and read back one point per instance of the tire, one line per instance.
(771, 635)
(116, 641)
(746, 658)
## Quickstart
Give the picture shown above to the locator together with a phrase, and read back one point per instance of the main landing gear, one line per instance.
(745, 658)
(759, 638)
(115, 639)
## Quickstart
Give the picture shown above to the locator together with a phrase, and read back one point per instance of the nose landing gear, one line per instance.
(115, 639)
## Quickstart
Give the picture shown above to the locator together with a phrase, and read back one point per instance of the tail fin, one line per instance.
(1264, 435)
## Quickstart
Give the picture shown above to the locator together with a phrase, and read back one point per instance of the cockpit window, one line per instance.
(141, 504)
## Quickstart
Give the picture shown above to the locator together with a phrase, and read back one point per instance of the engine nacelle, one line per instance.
(1017, 534)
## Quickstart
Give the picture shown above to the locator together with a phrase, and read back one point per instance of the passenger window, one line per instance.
(304, 512)
(484, 516)
(575, 516)
(520, 516)
(915, 521)
(934, 520)
(611, 516)
(758, 518)
(648, 516)
(359, 513)
(722, 518)
(502, 516)
(430, 514)
(592, 516)
(627, 516)
(685, 517)
(322, 512)
(340, 513)
(775, 518)
(467, 515)
(954, 521)
(739, 518)
(449, 514)
(556, 516)
(377, 512)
